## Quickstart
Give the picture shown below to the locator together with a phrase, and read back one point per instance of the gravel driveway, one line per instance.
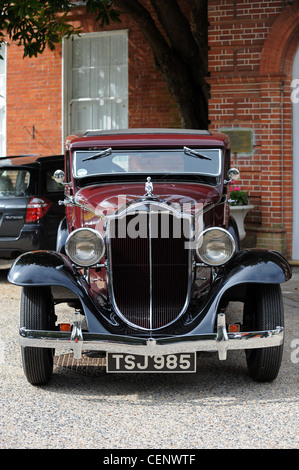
(220, 407)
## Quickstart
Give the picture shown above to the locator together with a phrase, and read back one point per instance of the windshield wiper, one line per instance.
(101, 154)
(194, 153)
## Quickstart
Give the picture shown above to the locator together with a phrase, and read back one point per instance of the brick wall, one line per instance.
(252, 46)
(33, 99)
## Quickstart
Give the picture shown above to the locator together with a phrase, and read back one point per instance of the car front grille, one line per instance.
(149, 271)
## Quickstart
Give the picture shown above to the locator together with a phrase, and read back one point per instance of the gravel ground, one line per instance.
(220, 407)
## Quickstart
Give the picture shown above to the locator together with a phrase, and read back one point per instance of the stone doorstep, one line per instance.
(86, 365)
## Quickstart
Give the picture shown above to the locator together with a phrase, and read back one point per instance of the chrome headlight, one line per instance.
(85, 247)
(215, 246)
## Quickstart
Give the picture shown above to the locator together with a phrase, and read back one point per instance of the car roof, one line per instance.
(32, 161)
(136, 138)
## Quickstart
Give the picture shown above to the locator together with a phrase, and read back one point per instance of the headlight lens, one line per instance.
(215, 246)
(85, 247)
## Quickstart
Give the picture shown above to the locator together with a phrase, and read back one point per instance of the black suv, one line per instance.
(29, 209)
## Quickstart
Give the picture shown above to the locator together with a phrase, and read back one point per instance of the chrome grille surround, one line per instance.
(149, 290)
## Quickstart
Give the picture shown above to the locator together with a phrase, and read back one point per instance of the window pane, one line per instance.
(14, 183)
(52, 185)
(99, 82)
(110, 114)
(2, 119)
(81, 53)
(119, 114)
(118, 81)
(101, 113)
(118, 50)
(80, 85)
(2, 61)
(172, 161)
(81, 115)
(100, 51)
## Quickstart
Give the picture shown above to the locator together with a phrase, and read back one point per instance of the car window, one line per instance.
(14, 183)
(52, 185)
(195, 161)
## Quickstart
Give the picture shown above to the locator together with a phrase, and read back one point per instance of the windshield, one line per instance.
(14, 183)
(172, 161)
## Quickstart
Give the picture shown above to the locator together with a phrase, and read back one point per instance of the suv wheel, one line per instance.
(37, 313)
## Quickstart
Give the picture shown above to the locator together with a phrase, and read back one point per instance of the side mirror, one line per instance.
(233, 174)
(59, 176)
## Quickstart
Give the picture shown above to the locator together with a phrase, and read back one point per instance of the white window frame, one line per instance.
(295, 250)
(67, 76)
(3, 101)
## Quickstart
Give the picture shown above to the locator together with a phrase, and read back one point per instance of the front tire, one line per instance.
(37, 313)
(263, 310)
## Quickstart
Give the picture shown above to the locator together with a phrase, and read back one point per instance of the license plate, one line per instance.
(183, 362)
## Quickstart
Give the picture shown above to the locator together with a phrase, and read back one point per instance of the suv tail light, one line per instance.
(36, 209)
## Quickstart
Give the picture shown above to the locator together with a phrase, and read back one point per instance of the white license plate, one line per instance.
(183, 362)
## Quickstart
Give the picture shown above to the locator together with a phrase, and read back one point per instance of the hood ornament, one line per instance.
(149, 187)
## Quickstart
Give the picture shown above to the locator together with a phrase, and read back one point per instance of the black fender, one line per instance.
(62, 234)
(246, 267)
(234, 231)
(256, 266)
(49, 268)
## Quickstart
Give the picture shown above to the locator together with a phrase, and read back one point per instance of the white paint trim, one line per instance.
(4, 55)
(295, 251)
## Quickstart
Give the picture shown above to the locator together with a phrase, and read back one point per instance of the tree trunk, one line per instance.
(180, 53)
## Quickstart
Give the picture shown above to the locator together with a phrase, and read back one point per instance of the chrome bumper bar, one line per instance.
(220, 342)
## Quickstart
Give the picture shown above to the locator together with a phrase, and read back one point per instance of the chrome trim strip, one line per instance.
(220, 342)
(150, 270)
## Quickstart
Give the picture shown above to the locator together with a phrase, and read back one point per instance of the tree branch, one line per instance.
(146, 24)
(200, 30)
(184, 80)
(177, 28)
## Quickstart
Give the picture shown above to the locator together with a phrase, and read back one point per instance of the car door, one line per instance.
(16, 188)
(51, 191)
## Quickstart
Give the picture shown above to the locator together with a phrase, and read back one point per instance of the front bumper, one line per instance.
(220, 342)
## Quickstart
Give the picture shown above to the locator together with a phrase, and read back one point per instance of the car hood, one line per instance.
(113, 198)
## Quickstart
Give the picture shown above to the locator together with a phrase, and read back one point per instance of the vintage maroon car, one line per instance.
(151, 259)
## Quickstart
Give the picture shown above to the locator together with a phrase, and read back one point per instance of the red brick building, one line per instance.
(253, 63)
(253, 66)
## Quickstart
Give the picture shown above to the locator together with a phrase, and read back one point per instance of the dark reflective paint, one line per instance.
(48, 268)
(247, 267)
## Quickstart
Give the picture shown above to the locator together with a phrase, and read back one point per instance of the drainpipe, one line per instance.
(282, 150)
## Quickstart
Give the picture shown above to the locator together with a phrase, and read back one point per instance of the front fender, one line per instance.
(40, 268)
(256, 266)
(49, 268)
(246, 267)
